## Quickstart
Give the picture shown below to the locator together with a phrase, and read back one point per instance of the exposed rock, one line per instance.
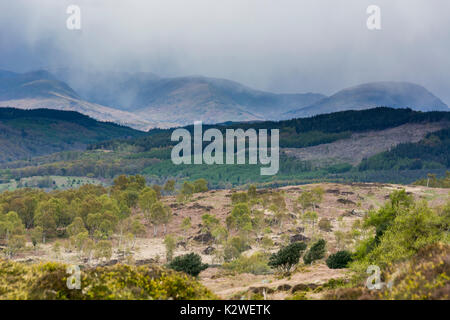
(260, 290)
(204, 238)
(109, 263)
(284, 287)
(144, 262)
(300, 229)
(196, 205)
(181, 244)
(298, 238)
(304, 287)
(355, 213)
(345, 201)
(333, 191)
(209, 250)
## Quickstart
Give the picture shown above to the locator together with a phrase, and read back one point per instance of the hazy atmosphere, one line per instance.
(281, 46)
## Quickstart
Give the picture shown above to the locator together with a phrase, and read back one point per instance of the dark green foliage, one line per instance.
(304, 132)
(316, 252)
(286, 258)
(27, 133)
(433, 182)
(150, 155)
(339, 260)
(433, 152)
(190, 263)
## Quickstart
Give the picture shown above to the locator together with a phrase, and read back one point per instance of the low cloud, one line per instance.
(283, 46)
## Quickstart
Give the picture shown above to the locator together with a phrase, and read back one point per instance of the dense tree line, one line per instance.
(302, 132)
(433, 152)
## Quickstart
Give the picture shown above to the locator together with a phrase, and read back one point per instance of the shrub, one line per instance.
(325, 225)
(234, 247)
(189, 263)
(316, 252)
(239, 197)
(339, 260)
(200, 185)
(45, 281)
(286, 258)
(256, 264)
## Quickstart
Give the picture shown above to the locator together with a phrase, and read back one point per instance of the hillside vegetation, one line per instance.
(28, 133)
(48, 281)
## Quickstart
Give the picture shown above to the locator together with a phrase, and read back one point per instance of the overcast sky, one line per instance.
(278, 45)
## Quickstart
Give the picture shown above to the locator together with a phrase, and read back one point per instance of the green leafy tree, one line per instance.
(288, 257)
(169, 186)
(251, 192)
(186, 224)
(147, 199)
(200, 185)
(311, 218)
(339, 260)
(158, 190)
(10, 224)
(103, 250)
(305, 200)
(76, 227)
(186, 192)
(239, 197)
(209, 222)
(159, 214)
(316, 252)
(240, 218)
(170, 244)
(15, 243)
(189, 263)
(36, 236)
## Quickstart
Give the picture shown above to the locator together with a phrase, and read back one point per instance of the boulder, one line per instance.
(204, 238)
(209, 250)
(298, 238)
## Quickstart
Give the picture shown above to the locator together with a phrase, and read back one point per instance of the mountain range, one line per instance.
(145, 100)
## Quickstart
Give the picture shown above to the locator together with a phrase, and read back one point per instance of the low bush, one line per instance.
(190, 263)
(339, 260)
(287, 258)
(316, 252)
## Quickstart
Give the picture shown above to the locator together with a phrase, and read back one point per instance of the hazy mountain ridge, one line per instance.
(183, 100)
(40, 89)
(376, 94)
(145, 100)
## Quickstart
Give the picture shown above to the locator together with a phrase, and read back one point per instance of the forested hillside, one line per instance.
(303, 132)
(149, 153)
(433, 152)
(28, 133)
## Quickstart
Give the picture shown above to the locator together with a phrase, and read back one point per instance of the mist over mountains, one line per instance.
(146, 100)
(369, 95)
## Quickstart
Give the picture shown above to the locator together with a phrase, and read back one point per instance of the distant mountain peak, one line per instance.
(394, 94)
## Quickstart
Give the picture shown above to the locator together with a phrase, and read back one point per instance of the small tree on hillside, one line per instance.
(316, 252)
(189, 263)
(287, 258)
(339, 260)
(170, 244)
(169, 186)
